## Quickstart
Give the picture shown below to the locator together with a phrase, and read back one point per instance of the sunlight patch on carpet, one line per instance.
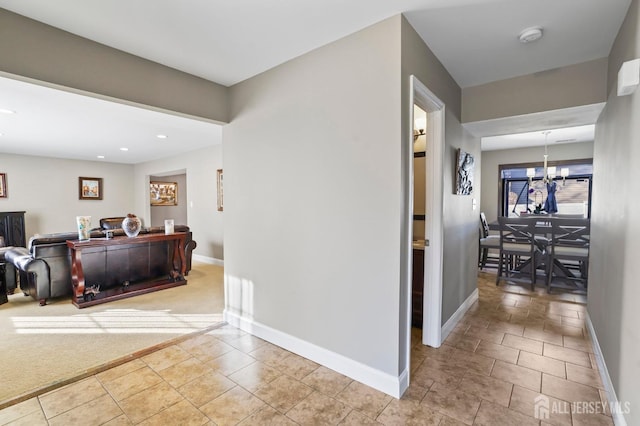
(116, 321)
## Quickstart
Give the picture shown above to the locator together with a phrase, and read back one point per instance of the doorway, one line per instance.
(434, 109)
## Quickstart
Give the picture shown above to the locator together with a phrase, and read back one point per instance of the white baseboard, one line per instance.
(458, 314)
(618, 417)
(207, 259)
(384, 382)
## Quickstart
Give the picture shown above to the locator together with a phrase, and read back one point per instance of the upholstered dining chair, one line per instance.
(488, 244)
(520, 256)
(568, 253)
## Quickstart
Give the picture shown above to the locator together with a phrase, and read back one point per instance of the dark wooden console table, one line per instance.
(122, 267)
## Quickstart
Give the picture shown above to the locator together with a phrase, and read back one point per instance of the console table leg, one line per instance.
(77, 276)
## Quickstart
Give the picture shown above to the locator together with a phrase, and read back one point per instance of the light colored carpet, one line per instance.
(44, 345)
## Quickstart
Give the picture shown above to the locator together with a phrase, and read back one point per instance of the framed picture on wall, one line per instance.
(219, 186)
(163, 193)
(3, 185)
(464, 173)
(90, 188)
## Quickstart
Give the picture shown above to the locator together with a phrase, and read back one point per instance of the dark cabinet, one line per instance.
(417, 288)
(12, 228)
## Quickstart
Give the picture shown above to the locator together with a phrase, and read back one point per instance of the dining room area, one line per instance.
(535, 209)
(538, 250)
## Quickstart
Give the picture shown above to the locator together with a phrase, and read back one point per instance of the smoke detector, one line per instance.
(530, 34)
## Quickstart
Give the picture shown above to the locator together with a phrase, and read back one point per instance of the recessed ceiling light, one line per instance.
(101, 156)
(0, 134)
(6, 111)
(124, 149)
(530, 34)
(161, 136)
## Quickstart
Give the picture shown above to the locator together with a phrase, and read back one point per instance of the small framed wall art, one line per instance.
(464, 173)
(220, 194)
(163, 193)
(3, 185)
(90, 188)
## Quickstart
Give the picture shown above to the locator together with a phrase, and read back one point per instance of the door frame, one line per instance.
(434, 209)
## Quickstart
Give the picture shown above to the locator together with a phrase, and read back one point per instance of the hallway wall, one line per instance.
(312, 199)
(613, 282)
(566, 87)
(460, 232)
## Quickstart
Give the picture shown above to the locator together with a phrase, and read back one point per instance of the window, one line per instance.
(519, 195)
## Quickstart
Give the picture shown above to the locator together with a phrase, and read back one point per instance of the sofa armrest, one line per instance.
(35, 271)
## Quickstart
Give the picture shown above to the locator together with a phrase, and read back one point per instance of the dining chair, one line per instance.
(568, 253)
(488, 244)
(520, 256)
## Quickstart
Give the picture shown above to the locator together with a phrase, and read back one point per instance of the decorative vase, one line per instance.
(84, 227)
(131, 225)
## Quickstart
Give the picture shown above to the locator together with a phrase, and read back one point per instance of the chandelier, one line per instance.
(549, 173)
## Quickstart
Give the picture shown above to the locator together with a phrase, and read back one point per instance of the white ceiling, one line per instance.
(228, 41)
(55, 123)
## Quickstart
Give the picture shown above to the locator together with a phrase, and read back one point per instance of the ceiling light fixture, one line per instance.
(161, 136)
(101, 156)
(530, 34)
(124, 149)
(6, 111)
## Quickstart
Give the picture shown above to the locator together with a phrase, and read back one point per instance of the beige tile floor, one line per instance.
(512, 346)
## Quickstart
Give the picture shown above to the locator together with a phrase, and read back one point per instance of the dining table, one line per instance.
(543, 232)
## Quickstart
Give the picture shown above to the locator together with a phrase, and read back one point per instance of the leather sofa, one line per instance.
(7, 280)
(44, 267)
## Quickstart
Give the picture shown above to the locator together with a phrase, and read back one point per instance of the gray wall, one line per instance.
(178, 212)
(37, 51)
(312, 197)
(460, 220)
(544, 91)
(205, 221)
(47, 189)
(315, 195)
(613, 282)
(491, 160)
